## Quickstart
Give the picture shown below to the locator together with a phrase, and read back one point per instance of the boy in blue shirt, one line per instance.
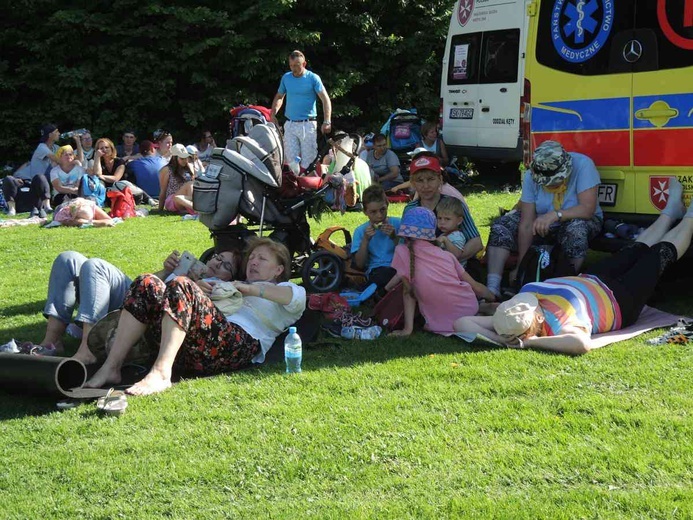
(374, 242)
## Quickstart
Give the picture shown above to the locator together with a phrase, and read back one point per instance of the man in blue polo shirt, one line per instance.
(301, 88)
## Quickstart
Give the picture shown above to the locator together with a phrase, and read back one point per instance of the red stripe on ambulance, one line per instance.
(663, 147)
(604, 148)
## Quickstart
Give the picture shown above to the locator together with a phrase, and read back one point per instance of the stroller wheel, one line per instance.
(323, 272)
(204, 257)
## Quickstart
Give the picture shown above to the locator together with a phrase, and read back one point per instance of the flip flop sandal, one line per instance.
(30, 348)
(113, 403)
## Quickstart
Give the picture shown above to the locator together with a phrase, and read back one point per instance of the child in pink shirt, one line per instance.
(432, 278)
(79, 211)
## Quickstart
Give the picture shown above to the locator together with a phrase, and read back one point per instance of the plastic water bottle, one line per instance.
(295, 166)
(293, 352)
(67, 135)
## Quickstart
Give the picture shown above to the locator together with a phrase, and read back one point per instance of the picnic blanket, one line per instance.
(22, 222)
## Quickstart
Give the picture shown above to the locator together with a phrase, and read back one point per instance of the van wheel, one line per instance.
(323, 272)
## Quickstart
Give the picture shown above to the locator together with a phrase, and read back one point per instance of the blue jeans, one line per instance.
(101, 287)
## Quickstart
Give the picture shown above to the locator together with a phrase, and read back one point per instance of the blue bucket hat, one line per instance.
(419, 223)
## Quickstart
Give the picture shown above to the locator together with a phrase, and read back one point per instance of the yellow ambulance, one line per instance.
(613, 79)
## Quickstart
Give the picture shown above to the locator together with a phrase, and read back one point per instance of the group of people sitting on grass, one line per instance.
(425, 250)
(157, 172)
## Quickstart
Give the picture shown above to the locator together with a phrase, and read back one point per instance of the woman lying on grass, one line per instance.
(195, 334)
(96, 287)
(561, 314)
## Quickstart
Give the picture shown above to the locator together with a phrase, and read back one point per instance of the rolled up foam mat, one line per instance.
(47, 375)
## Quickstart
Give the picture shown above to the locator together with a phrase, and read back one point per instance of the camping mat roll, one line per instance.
(21, 373)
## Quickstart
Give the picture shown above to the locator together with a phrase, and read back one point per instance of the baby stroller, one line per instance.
(245, 179)
(403, 132)
(245, 117)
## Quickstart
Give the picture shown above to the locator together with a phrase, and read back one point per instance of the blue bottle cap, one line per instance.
(292, 330)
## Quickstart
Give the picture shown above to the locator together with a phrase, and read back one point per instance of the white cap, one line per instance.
(179, 151)
(515, 316)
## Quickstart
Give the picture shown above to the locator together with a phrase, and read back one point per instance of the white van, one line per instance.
(482, 81)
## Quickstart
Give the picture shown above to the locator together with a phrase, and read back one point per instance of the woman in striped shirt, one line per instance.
(561, 314)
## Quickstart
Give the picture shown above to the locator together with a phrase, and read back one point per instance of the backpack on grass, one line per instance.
(540, 263)
(91, 187)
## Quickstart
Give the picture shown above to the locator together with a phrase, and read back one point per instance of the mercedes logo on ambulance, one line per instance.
(632, 51)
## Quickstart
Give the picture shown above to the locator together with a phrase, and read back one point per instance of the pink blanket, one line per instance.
(650, 318)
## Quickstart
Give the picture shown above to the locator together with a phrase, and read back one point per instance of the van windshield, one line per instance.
(482, 58)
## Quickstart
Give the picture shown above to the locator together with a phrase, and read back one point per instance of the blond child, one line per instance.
(79, 211)
(450, 215)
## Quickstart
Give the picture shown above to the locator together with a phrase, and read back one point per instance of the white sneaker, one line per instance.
(11, 212)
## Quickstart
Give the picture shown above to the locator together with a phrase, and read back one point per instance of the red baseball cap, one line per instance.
(425, 162)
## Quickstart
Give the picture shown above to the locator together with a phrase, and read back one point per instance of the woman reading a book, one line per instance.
(95, 287)
(196, 337)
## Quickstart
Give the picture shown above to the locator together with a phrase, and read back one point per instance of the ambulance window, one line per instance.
(463, 62)
(578, 37)
(499, 55)
(672, 34)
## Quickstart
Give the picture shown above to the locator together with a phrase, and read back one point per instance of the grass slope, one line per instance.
(421, 428)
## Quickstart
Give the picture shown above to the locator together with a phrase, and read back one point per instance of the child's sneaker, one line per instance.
(364, 333)
(10, 347)
(356, 320)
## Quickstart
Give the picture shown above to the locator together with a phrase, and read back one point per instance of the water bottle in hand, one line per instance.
(293, 352)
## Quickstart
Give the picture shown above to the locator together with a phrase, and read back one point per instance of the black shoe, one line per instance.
(333, 328)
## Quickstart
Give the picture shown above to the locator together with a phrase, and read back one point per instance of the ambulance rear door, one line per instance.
(581, 88)
(661, 53)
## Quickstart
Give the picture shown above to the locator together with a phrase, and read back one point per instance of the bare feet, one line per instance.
(104, 376)
(153, 383)
(84, 355)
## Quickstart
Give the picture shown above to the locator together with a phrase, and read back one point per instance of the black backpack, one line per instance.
(540, 263)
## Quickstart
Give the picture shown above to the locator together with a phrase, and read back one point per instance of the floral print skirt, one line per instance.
(212, 344)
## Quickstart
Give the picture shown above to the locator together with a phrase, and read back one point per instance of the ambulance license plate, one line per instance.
(606, 193)
(461, 113)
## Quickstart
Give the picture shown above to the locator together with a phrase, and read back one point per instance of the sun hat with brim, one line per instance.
(425, 162)
(551, 164)
(418, 223)
(515, 316)
(179, 151)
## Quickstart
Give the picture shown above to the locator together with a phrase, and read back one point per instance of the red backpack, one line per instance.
(389, 312)
(122, 203)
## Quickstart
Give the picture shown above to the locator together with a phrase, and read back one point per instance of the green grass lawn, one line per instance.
(425, 427)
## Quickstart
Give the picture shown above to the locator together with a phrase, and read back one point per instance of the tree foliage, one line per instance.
(109, 65)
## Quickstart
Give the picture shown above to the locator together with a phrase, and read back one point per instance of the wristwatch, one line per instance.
(327, 122)
(559, 214)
